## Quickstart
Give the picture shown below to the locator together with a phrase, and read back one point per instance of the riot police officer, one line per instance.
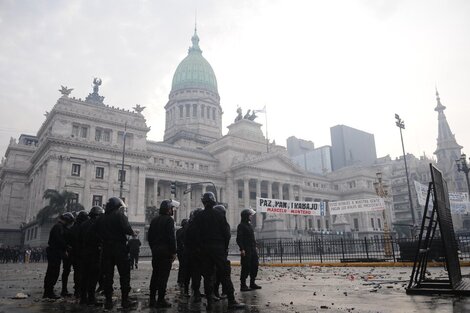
(56, 251)
(162, 241)
(249, 255)
(112, 228)
(212, 235)
(89, 246)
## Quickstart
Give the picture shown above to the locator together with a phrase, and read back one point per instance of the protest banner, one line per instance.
(355, 206)
(278, 206)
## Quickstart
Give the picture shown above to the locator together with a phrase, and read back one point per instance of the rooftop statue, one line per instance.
(95, 97)
(247, 115)
(65, 91)
(138, 108)
(252, 116)
(239, 115)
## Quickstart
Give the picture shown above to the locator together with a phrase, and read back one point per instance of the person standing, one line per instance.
(180, 237)
(56, 251)
(212, 234)
(112, 228)
(89, 245)
(134, 251)
(248, 251)
(162, 241)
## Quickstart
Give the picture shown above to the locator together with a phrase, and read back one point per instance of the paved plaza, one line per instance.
(285, 289)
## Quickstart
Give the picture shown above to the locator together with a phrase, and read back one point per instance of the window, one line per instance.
(100, 172)
(106, 135)
(203, 108)
(97, 134)
(208, 112)
(356, 224)
(194, 110)
(97, 200)
(35, 232)
(188, 106)
(213, 113)
(379, 223)
(372, 222)
(318, 224)
(327, 224)
(310, 223)
(75, 169)
(252, 195)
(75, 130)
(181, 111)
(74, 199)
(122, 175)
(83, 132)
(240, 194)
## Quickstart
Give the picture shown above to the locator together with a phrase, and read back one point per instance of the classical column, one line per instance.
(140, 209)
(291, 219)
(188, 203)
(259, 217)
(86, 189)
(246, 192)
(111, 178)
(269, 186)
(230, 199)
(155, 192)
(279, 188)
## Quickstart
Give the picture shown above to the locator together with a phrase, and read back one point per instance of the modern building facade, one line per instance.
(350, 146)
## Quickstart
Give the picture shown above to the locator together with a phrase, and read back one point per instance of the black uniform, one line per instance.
(112, 229)
(161, 237)
(90, 246)
(247, 242)
(180, 238)
(55, 254)
(212, 234)
(134, 250)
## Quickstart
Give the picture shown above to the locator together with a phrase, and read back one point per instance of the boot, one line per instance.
(125, 302)
(152, 300)
(162, 303)
(50, 295)
(108, 305)
(253, 285)
(234, 304)
(243, 286)
(196, 296)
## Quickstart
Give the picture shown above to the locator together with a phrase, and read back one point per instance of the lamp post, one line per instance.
(382, 191)
(121, 186)
(462, 166)
(401, 124)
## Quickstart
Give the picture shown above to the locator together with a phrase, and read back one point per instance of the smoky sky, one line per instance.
(314, 64)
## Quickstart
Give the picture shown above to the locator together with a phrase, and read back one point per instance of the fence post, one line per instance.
(300, 251)
(262, 250)
(393, 248)
(321, 250)
(280, 248)
(342, 248)
(367, 248)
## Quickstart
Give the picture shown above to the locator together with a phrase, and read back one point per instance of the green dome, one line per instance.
(194, 71)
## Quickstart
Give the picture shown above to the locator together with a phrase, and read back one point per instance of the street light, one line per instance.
(382, 191)
(462, 166)
(401, 124)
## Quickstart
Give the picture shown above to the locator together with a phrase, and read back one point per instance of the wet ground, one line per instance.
(296, 289)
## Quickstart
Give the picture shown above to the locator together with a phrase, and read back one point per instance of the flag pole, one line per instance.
(267, 138)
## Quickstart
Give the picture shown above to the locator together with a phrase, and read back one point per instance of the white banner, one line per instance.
(277, 206)
(459, 203)
(355, 206)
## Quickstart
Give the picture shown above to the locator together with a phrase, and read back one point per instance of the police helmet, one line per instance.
(96, 211)
(114, 203)
(67, 217)
(246, 213)
(194, 213)
(220, 208)
(208, 198)
(81, 216)
(166, 205)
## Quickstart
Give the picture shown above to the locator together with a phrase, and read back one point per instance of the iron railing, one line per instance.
(352, 250)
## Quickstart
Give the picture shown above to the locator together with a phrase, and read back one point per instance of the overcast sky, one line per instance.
(314, 64)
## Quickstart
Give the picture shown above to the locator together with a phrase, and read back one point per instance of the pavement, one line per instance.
(285, 289)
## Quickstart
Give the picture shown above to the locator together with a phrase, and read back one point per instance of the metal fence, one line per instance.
(352, 250)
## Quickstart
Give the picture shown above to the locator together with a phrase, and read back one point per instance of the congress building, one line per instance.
(79, 148)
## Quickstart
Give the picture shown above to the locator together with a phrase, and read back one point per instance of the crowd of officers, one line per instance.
(95, 243)
(22, 255)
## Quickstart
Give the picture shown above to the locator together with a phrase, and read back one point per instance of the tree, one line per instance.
(59, 202)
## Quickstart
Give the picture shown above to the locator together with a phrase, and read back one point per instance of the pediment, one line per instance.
(274, 163)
